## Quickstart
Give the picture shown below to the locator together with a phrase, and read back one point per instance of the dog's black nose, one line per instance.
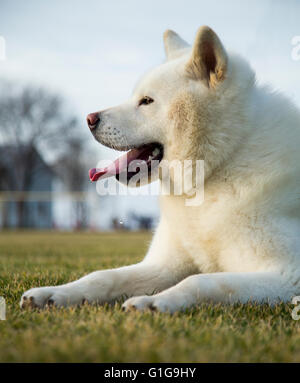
(92, 120)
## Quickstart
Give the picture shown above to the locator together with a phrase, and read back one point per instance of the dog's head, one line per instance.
(177, 110)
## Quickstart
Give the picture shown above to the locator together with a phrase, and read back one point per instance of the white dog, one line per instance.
(242, 244)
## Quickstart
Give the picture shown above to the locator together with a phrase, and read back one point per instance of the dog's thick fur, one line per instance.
(243, 243)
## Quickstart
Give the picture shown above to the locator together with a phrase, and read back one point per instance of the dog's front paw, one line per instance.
(50, 296)
(154, 303)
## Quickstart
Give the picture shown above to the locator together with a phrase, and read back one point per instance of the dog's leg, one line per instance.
(259, 287)
(102, 286)
(160, 270)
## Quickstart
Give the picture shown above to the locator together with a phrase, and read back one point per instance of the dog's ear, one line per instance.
(209, 59)
(173, 44)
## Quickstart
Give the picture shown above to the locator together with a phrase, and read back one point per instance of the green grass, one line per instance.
(209, 333)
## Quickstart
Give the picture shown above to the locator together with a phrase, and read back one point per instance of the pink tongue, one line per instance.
(119, 165)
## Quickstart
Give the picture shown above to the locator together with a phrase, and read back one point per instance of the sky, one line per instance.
(94, 51)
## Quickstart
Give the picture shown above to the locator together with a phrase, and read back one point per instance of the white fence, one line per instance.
(72, 210)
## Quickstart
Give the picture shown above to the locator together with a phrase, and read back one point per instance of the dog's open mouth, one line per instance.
(145, 153)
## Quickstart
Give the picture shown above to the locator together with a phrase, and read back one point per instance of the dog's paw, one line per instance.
(154, 303)
(50, 296)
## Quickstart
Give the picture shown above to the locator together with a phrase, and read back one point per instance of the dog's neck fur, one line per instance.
(215, 122)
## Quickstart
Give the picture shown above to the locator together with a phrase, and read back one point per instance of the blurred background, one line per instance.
(66, 58)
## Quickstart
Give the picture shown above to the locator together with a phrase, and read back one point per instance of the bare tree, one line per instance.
(33, 120)
(72, 167)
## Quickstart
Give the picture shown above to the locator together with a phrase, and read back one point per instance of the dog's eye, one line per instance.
(146, 100)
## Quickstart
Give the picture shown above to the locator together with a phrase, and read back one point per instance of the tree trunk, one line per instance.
(20, 213)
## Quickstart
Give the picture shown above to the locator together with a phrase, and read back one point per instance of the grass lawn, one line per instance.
(209, 333)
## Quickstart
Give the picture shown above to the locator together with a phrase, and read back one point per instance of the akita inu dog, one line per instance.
(243, 242)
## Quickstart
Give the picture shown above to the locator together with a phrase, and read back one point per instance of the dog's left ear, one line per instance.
(209, 59)
(173, 44)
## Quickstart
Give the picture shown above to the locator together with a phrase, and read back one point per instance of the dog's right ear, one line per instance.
(173, 44)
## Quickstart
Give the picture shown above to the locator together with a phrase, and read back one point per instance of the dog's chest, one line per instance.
(217, 237)
(199, 232)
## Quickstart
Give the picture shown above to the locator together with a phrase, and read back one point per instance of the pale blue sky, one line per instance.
(93, 51)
